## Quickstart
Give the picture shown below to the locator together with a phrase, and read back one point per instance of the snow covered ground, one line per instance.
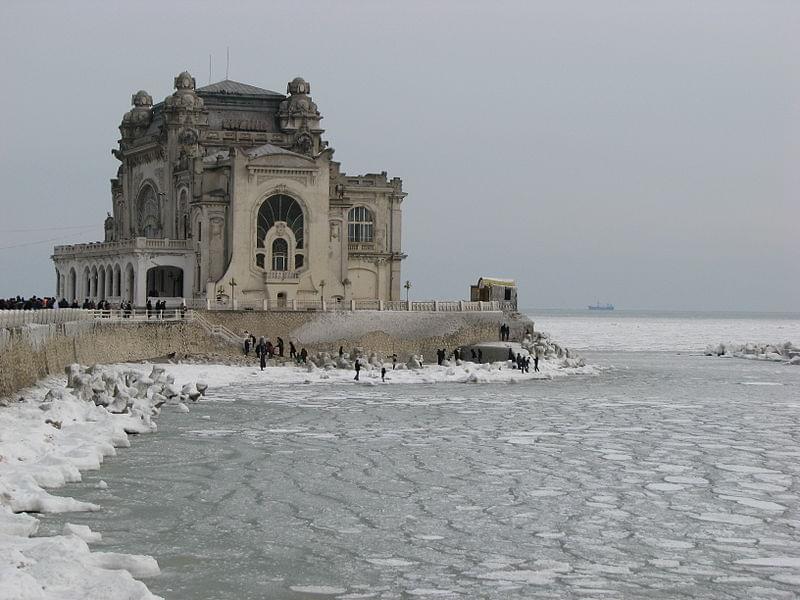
(53, 433)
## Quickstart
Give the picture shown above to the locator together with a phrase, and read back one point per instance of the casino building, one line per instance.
(227, 194)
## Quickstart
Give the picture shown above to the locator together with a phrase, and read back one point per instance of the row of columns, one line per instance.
(96, 282)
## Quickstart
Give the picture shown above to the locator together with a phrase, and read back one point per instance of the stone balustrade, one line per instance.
(122, 246)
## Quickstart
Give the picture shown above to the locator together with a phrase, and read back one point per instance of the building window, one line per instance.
(298, 261)
(260, 260)
(360, 224)
(280, 255)
(148, 213)
(280, 209)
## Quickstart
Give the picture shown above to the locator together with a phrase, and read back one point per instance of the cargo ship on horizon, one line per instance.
(598, 306)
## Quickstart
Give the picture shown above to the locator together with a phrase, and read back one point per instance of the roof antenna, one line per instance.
(209, 69)
(227, 60)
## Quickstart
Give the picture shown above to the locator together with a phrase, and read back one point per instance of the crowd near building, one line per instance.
(228, 194)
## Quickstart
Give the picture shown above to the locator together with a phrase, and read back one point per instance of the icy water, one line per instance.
(667, 476)
(641, 330)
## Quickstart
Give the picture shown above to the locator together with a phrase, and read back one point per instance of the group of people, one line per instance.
(523, 363)
(357, 366)
(505, 332)
(264, 349)
(157, 309)
(32, 303)
(457, 354)
(36, 303)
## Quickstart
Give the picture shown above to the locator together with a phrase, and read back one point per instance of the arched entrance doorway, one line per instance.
(165, 282)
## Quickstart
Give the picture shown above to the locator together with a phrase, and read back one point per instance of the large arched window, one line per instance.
(148, 213)
(359, 224)
(280, 234)
(280, 255)
(280, 208)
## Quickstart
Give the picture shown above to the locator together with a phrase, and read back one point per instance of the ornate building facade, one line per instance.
(229, 193)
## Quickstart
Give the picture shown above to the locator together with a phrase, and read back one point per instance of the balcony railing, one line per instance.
(281, 275)
(132, 245)
(361, 246)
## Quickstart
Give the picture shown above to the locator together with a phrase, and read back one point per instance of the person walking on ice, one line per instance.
(358, 368)
(262, 353)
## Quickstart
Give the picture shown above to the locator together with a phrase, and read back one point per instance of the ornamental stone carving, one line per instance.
(299, 114)
(184, 97)
(136, 121)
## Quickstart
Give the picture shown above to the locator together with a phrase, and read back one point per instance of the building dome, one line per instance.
(298, 85)
(139, 115)
(184, 81)
(142, 98)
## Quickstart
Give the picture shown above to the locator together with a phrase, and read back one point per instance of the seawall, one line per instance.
(31, 352)
(383, 332)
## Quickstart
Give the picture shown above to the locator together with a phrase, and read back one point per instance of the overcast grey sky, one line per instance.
(639, 152)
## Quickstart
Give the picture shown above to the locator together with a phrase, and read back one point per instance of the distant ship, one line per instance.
(599, 306)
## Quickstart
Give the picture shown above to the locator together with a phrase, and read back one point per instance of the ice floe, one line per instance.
(48, 437)
(785, 352)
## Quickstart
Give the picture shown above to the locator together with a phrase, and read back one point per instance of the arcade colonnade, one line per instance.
(124, 278)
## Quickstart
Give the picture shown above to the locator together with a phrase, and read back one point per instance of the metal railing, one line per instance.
(44, 316)
(365, 304)
(17, 318)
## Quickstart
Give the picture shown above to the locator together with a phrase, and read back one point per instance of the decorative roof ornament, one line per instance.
(298, 85)
(299, 115)
(142, 99)
(185, 97)
(136, 120)
(185, 81)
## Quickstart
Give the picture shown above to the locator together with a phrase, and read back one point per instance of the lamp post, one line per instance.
(233, 285)
(322, 294)
(408, 287)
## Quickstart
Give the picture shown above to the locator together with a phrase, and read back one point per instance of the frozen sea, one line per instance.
(666, 475)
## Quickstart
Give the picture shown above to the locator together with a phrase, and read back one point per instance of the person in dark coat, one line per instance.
(510, 354)
(383, 374)
(247, 346)
(303, 355)
(292, 351)
(394, 361)
(280, 346)
(149, 307)
(261, 352)
(480, 356)
(358, 369)
(341, 351)
(536, 362)
(439, 357)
